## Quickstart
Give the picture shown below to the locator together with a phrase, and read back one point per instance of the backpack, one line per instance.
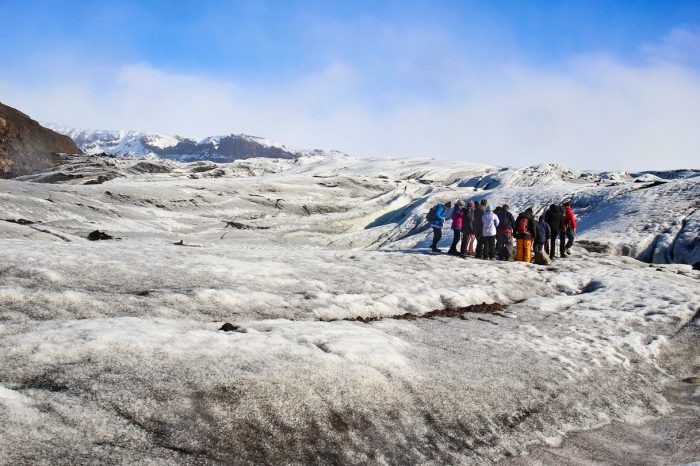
(542, 258)
(431, 216)
(522, 227)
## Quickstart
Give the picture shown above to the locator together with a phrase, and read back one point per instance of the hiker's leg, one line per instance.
(455, 240)
(509, 248)
(527, 251)
(437, 234)
(562, 243)
(570, 237)
(492, 247)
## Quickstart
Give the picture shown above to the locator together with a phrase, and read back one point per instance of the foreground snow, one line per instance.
(110, 350)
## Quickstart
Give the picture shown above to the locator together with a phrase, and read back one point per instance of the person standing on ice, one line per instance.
(457, 215)
(525, 231)
(468, 236)
(497, 213)
(553, 216)
(479, 227)
(543, 233)
(490, 222)
(437, 222)
(504, 235)
(568, 230)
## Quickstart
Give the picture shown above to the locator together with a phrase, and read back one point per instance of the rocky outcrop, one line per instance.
(27, 147)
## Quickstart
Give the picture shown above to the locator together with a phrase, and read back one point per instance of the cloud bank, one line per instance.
(589, 112)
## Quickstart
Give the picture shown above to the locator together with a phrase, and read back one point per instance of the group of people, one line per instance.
(487, 233)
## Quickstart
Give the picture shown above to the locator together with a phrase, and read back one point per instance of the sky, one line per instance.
(606, 85)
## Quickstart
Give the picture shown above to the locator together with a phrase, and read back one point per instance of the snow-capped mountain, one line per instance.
(145, 144)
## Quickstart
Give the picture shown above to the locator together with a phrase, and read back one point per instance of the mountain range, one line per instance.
(222, 149)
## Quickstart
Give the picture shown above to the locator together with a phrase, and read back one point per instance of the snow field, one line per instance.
(110, 350)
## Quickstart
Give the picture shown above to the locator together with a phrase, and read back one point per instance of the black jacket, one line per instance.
(553, 217)
(468, 221)
(506, 221)
(478, 220)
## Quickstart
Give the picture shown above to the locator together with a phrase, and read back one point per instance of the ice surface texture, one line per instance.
(110, 350)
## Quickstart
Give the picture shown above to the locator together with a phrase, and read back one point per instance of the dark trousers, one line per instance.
(553, 243)
(489, 246)
(455, 240)
(563, 237)
(503, 241)
(437, 236)
(479, 254)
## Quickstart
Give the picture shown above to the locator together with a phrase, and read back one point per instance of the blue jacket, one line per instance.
(543, 231)
(440, 214)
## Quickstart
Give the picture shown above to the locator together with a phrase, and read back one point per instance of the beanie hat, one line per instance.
(488, 208)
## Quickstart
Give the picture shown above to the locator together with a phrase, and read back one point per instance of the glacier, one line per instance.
(110, 351)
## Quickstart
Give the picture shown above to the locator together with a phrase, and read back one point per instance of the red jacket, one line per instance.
(569, 218)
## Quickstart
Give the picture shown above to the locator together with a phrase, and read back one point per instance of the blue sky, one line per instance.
(594, 84)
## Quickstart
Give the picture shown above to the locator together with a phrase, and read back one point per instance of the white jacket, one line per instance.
(490, 223)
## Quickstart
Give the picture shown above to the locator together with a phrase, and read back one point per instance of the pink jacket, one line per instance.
(457, 218)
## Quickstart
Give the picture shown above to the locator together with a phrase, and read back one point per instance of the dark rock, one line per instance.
(482, 308)
(57, 177)
(149, 167)
(243, 226)
(203, 167)
(19, 221)
(26, 147)
(99, 235)
(101, 179)
(229, 327)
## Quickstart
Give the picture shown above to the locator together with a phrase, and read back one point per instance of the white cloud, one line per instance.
(591, 112)
(681, 45)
